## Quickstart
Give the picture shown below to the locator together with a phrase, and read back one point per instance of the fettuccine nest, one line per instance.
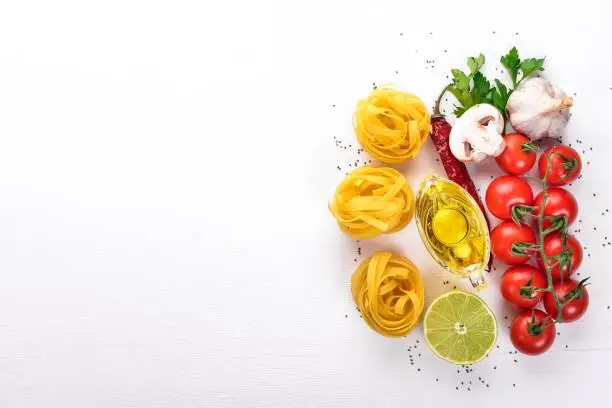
(371, 201)
(388, 290)
(392, 125)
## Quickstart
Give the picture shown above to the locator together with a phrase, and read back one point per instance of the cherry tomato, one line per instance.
(504, 193)
(517, 285)
(553, 245)
(532, 332)
(559, 203)
(514, 160)
(565, 165)
(504, 235)
(572, 310)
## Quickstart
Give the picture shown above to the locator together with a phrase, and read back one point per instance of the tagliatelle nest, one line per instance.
(388, 290)
(371, 201)
(392, 125)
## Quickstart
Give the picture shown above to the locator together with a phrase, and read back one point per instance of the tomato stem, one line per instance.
(541, 235)
(530, 147)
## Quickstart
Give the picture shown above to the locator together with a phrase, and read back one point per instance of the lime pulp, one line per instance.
(460, 328)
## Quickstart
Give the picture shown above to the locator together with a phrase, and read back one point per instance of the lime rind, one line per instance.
(460, 328)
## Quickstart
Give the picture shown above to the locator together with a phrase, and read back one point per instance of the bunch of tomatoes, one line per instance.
(524, 236)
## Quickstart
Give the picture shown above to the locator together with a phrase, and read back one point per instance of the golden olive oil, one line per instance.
(453, 228)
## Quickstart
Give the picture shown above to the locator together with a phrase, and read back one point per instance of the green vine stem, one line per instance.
(540, 247)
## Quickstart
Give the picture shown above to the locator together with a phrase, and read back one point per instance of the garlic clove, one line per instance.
(477, 134)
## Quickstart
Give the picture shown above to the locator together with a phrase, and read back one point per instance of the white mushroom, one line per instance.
(477, 134)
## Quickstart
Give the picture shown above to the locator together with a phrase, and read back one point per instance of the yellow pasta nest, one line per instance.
(371, 201)
(388, 290)
(392, 125)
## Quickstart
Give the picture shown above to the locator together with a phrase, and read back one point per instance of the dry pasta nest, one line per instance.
(392, 125)
(371, 201)
(388, 290)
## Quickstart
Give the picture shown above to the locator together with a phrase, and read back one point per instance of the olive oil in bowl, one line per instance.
(453, 228)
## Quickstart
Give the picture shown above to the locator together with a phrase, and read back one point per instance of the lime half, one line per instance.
(460, 327)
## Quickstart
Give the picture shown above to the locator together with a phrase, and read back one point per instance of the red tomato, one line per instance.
(513, 159)
(559, 203)
(572, 310)
(504, 193)
(504, 235)
(565, 165)
(532, 332)
(553, 245)
(517, 285)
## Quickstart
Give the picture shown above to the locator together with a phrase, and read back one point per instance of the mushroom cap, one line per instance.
(477, 134)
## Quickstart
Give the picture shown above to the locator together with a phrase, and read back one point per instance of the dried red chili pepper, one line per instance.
(455, 170)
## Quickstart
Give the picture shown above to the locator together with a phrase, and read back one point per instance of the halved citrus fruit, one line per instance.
(460, 328)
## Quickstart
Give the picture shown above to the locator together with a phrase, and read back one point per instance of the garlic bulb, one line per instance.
(538, 109)
(477, 134)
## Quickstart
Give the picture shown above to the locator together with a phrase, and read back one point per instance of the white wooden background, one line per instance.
(165, 168)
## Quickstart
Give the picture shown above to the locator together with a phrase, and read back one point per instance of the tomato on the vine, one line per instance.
(565, 165)
(504, 193)
(532, 332)
(553, 247)
(519, 285)
(574, 299)
(511, 242)
(516, 159)
(559, 203)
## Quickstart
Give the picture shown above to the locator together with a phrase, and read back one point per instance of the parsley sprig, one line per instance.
(473, 88)
(526, 67)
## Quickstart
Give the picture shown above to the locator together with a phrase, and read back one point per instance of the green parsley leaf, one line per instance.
(464, 97)
(531, 65)
(459, 110)
(481, 88)
(461, 81)
(512, 62)
(499, 96)
(475, 63)
(501, 88)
